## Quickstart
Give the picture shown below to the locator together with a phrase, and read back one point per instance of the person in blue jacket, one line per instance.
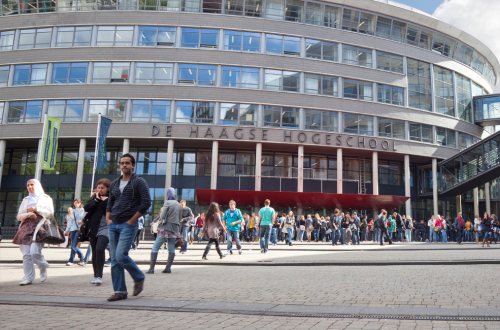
(233, 219)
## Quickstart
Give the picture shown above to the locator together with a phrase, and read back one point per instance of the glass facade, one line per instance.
(419, 84)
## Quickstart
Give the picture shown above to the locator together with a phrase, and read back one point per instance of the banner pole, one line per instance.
(38, 167)
(95, 153)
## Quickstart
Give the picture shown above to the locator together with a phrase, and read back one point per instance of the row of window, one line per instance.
(316, 13)
(420, 83)
(199, 112)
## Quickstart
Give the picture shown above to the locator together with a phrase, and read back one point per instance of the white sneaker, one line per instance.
(93, 280)
(98, 281)
(69, 264)
(43, 275)
(25, 282)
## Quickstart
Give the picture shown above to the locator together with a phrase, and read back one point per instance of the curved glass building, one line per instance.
(313, 104)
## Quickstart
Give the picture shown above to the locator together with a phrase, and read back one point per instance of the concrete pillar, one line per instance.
(300, 169)
(170, 158)
(475, 198)
(339, 171)
(434, 187)
(375, 172)
(407, 178)
(38, 168)
(487, 197)
(215, 164)
(126, 146)
(79, 170)
(458, 201)
(258, 166)
(3, 145)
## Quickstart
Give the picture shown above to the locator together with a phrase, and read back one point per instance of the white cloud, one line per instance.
(476, 17)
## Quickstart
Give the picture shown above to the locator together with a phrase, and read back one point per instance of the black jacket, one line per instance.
(135, 198)
(95, 209)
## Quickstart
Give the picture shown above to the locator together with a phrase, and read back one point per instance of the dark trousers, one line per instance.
(459, 235)
(386, 234)
(98, 245)
(209, 246)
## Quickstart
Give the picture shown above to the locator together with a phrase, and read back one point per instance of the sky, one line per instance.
(477, 17)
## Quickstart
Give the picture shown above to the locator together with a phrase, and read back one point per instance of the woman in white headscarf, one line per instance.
(35, 206)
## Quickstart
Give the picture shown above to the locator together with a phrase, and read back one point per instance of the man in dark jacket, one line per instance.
(459, 224)
(381, 224)
(128, 200)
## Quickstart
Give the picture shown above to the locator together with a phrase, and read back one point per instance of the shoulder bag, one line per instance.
(48, 231)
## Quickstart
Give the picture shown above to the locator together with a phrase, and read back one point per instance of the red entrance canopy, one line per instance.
(300, 199)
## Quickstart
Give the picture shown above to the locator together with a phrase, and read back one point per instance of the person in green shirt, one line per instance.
(267, 217)
(233, 219)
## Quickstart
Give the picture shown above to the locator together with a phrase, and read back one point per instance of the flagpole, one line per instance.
(95, 153)
(39, 158)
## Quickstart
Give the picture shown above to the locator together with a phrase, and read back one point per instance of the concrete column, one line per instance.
(170, 158)
(434, 187)
(126, 146)
(3, 145)
(339, 171)
(375, 172)
(407, 178)
(487, 197)
(79, 169)
(215, 164)
(458, 201)
(300, 169)
(475, 198)
(258, 166)
(38, 168)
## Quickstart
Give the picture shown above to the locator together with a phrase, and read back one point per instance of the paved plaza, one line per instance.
(306, 286)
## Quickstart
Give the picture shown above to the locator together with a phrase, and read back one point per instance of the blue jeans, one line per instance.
(229, 236)
(378, 233)
(74, 248)
(265, 233)
(408, 235)
(431, 234)
(335, 236)
(159, 242)
(400, 234)
(289, 230)
(185, 237)
(300, 236)
(316, 234)
(274, 236)
(444, 236)
(355, 237)
(120, 240)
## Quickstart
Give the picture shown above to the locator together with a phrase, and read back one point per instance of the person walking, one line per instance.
(233, 218)
(128, 200)
(34, 207)
(98, 228)
(409, 228)
(186, 217)
(288, 226)
(212, 229)
(169, 228)
(459, 224)
(72, 230)
(79, 213)
(137, 238)
(382, 224)
(267, 217)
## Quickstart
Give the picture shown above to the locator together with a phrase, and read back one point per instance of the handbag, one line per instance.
(302, 227)
(49, 232)
(178, 242)
(84, 231)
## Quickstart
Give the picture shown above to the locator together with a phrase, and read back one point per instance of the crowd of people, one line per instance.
(114, 216)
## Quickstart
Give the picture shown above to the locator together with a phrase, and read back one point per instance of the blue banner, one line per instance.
(101, 143)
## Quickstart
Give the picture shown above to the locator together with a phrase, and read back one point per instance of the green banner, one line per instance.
(49, 142)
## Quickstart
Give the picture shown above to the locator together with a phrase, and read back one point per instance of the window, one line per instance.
(391, 128)
(114, 36)
(358, 124)
(234, 7)
(420, 132)
(212, 6)
(314, 13)
(275, 9)
(293, 10)
(24, 112)
(464, 98)
(6, 40)
(240, 77)
(323, 50)
(2, 110)
(153, 73)
(278, 80)
(356, 56)
(465, 140)
(69, 73)
(416, 37)
(464, 54)
(283, 45)
(322, 120)
(390, 94)
(389, 173)
(442, 44)
(30, 74)
(276, 116)
(320, 84)
(279, 165)
(4, 76)
(197, 74)
(419, 84)
(239, 163)
(238, 114)
(110, 72)
(443, 91)
(242, 41)
(194, 112)
(156, 36)
(199, 38)
(389, 62)
(357, 89)
(67, 110)
(35, 38)
(357, 21)
(150, 111)
(115, 109)
(332, 16)
(253, 8)
(74, 36)
(446, 137)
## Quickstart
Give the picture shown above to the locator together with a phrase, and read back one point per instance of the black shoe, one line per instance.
(138, 287)
(117, 296)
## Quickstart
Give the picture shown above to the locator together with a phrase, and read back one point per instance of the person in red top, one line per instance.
(200, 222)
(459, 224)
